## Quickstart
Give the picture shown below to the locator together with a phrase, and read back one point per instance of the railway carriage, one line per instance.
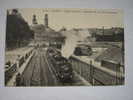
(61, 66)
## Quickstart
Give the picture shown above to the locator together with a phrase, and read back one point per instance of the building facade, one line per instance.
(44, 35)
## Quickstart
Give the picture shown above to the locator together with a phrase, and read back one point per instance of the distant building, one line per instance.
(112, 58)
(114, 34)
(44, 35)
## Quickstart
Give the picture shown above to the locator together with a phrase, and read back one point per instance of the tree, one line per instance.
(17, 30)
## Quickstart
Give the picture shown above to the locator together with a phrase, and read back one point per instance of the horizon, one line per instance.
(74, 17)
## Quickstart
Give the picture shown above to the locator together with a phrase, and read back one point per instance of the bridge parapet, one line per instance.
(96, 74)
(14, 68)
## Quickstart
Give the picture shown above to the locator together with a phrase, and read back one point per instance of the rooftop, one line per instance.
(112, 54)
(41, 29)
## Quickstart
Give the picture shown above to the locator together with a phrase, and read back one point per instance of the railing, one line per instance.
(9, 72)
(96, 75)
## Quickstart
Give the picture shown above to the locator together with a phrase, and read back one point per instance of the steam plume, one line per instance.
(72, 37)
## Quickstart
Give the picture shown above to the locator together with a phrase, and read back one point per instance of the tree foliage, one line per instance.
(17, 30)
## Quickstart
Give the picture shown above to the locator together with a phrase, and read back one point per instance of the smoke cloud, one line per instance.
(72, 38)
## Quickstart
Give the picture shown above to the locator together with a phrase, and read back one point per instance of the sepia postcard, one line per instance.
(64, 47)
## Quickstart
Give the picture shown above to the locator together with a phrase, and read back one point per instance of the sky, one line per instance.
(75, 18)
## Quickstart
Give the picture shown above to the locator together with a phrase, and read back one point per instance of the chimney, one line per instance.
(46, 20)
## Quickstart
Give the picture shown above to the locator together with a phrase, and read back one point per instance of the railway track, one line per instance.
(40, 72)
(35, 78)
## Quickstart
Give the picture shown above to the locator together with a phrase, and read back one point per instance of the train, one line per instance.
(83, 50)
(61, 66)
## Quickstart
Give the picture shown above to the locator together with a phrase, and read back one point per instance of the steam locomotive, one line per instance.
(83, 50)
(61, 66)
